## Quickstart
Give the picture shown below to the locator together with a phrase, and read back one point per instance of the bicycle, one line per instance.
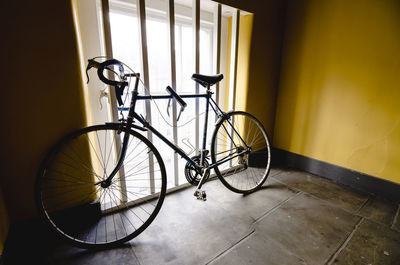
(103, 185)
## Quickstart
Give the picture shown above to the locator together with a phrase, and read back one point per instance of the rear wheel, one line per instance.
(75, 200)
(241, 144)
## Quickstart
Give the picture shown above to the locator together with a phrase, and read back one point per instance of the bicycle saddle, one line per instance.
(207, 80)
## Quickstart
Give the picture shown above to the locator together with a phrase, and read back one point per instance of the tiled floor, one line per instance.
(298, 218)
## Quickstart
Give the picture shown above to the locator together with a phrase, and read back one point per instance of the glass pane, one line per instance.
(157, 31)
(184, 84)
(125, 35)
(126, 48)
(206, 63)
(126, 42)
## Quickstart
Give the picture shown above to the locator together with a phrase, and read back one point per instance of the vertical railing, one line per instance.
(141, 14)
(196, 35)
(217, 54)
(118, 142)
(233, 67)
(234, 59)
(171, 24)
(217, 47)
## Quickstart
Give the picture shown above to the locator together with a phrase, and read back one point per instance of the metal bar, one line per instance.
(108, 47)
(143, 42)
(234, 130)
(156, 97)
(216, 105)
(171, 22)
(196, 34)
(234, 55)
(217, 46)
(169, 96)
(225, 159)
(105, 7)
(233, 75)
(215, 110)
(145, 69)
(203, 148)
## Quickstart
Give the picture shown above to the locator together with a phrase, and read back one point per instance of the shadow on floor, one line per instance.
(296, 218)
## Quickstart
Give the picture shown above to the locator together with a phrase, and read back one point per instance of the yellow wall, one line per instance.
(339, 94)
(4, 222)
(242, 78)
(228, 63)
(41, 94)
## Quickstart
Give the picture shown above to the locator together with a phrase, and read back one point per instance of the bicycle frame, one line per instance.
(176, 148)
(132, 115)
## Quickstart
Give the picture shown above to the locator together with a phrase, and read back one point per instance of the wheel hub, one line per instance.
(105, 183)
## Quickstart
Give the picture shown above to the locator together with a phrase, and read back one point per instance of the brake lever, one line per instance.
(91, 63)
(177, 99)
(168, 107)
(180, 112)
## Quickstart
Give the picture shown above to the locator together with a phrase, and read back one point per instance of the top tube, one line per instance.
(147, 97)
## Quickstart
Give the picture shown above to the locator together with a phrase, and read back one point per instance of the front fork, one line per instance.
(129, 124)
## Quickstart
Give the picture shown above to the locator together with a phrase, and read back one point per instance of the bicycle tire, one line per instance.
(241, 173)
(71, 199)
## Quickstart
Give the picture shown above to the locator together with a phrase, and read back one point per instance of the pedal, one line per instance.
(200, 195)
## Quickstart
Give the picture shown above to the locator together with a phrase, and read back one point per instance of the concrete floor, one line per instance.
(297, 218)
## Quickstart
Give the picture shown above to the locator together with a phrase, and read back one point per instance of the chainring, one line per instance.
(191, 174)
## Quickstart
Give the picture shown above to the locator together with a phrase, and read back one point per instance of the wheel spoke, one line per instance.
(70, 186)
(230, 143)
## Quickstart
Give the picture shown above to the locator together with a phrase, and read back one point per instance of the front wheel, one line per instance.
(241, 147)
(77, 202)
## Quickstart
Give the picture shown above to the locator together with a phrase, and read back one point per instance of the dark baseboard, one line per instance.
(357, 180)
(28, 241)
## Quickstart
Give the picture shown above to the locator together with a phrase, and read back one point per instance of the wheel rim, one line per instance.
(76, 201)
(243, 136)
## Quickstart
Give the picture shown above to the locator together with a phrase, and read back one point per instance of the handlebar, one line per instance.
(120, 85)
(107, 65)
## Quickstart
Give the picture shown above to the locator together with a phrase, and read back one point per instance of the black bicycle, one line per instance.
(103, 185)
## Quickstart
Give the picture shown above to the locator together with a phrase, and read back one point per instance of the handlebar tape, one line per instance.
(119, 86)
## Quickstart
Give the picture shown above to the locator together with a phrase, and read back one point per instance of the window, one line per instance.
(140, 37)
